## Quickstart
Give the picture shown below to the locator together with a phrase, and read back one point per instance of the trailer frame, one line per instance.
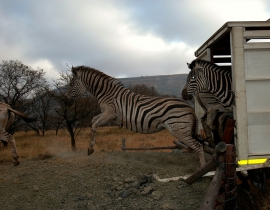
(244, 48)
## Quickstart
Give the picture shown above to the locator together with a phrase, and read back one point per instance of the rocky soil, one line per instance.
(104, 180)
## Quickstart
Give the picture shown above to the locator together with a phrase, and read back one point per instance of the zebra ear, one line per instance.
(188, 64)
(74, 71)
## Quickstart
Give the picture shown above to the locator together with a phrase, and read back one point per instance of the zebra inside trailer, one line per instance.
(244, 49)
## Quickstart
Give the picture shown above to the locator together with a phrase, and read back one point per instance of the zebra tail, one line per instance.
(5, 143)
(25, 117)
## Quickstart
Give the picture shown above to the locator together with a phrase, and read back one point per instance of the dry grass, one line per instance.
(30, 145)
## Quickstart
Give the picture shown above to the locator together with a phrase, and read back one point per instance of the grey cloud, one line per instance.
(81, 33)
(184, 21)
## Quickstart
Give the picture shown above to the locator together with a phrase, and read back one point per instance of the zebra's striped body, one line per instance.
(7, 116)
(211, 85)
(208, 76)
(136, 112)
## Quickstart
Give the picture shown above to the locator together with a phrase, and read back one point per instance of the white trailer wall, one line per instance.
(257, 69)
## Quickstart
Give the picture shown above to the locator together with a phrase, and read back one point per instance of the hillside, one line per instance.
(164, 84)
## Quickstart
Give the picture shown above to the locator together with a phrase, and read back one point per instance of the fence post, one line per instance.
(123, 144)
(212, 192)
(216, 159)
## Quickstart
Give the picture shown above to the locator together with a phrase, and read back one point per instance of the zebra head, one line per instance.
(76, 87)
(195, 79)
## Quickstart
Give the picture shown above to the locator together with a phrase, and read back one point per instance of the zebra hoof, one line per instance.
(16, 163)
(90, 151)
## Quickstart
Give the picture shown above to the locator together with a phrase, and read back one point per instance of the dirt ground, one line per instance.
(104, 180)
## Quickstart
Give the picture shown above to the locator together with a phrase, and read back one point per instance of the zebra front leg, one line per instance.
(92, 142)
(211, 116)
(208, 132)
(222, 120)
(93, 135)
(97, 121)
(212, 112)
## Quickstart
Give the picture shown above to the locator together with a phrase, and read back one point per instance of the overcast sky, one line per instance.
(122, 38)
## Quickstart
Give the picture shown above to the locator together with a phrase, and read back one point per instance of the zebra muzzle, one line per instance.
(90, 151)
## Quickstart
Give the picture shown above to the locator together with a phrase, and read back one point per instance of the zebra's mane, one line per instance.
(202, 63)
(101, 74)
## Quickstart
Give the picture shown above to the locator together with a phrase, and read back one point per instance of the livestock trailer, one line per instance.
(244, 49)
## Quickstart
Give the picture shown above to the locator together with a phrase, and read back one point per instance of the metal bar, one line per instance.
(123, 147)
(257, 45)
(258, 34)
(149, 148)
(222, 60)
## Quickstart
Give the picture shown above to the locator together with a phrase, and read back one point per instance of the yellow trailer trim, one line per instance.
(252, 161)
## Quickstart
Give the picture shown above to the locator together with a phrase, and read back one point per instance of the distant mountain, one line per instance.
(164, 84)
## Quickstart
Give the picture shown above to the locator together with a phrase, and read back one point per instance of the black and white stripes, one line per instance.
(139, 113)
(208, 76)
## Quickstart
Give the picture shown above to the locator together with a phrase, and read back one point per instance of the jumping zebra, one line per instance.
(139, 113)
(211, 85)
(7, 116)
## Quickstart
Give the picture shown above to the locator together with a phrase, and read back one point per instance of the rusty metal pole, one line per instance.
(230, 178)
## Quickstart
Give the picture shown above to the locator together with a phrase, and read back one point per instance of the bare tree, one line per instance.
(19, 83)
(76, 117)
(42, 106)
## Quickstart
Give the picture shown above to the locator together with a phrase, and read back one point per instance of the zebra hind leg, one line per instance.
(197, 147)
(182, 132)
(11, 140)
